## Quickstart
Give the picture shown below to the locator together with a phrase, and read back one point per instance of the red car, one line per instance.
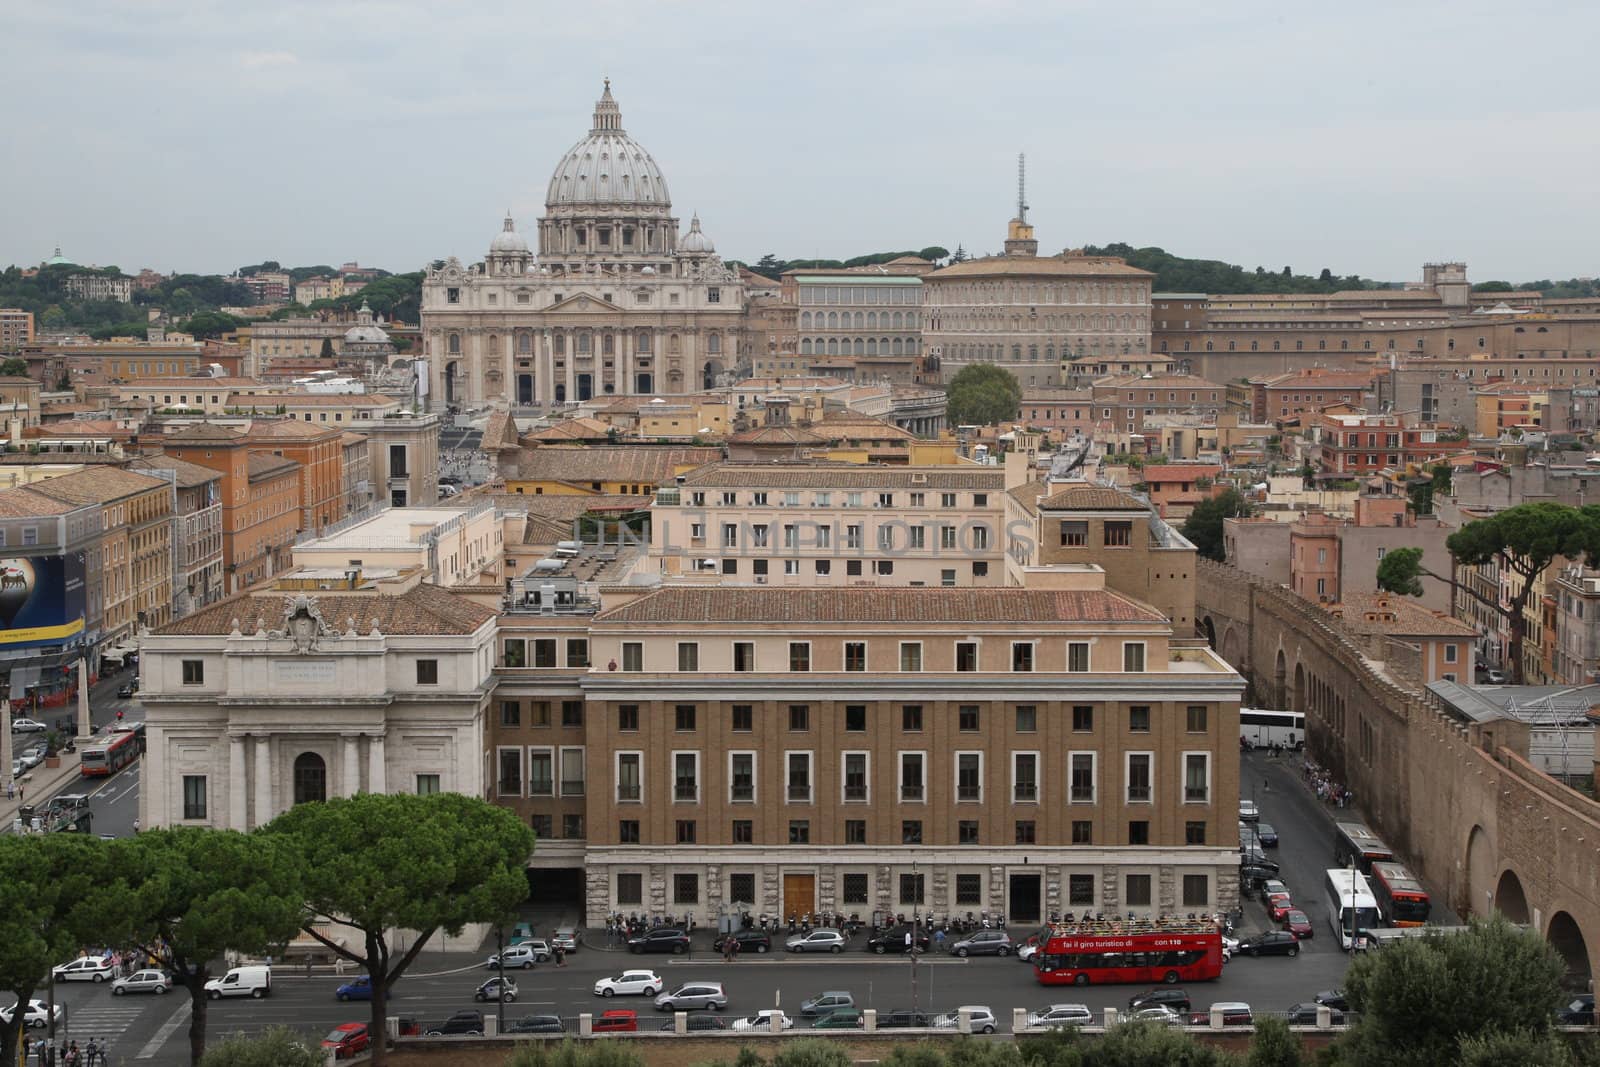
(1279, 908)
(347, 1039)
(1297, 924)
(616, 1021)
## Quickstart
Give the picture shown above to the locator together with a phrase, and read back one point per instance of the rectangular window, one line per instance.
(1139, 719)
(798, 776)
(911, 886)
(685, 831)
(744, 832)
(855, 718)
(688, 656)
(1194, 832)
(541, 772)
(1450, 651)
(911, 832)
(856, 778)
(824, 566)
(627, 834)
(544, 826)
(628, 717)
(1025, 832)
(741, 777)
(1196, 716)
(855, 888)
(1078, 656)
(686, 777)
(967, 832)
(1118, 534)
(1196, 777)
(1138, 833)
(1083, 718)
(969, 889)
(911, 656)
(743, 718)
(1022, 655)
(572, 713)
(1137, 893)
(427, 785)
(544, 652)
(427, 672)
(1082, 832)
(194, 671)
(855, 655)
(510, 778)
(918, 537)
(947, 500)
(1196, 891)
(911, 776)
(630, 780)
(1027, 719)
(911, 718)
(744, 656)
(799, 655)
(686, 888)
(577, 652)
(572, 826)
(572, 771)
(855, 833)
(969, 776)
(1080, 890)
(630, 887)
(966, 655)
(510, 713)
(1081, 768)
(947, 537)
(799, 717)
(684, 716)
(1133, 657)
(1138, 772)
(1025, 777)
(632, 656)
(1074, 534)
(194, 796)
(799, 831)
(967, 716)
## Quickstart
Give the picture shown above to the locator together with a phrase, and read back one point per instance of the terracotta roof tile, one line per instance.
(1091, 498)
(721, 604)
(1381, 613)
(500, 432)
(844, 477)
(96, 485)
(641, 464)
(421, 610)
(265, 466)
(189, 474)
(1076, 266)
(23, 503)
(205, 433)
(1179, 472)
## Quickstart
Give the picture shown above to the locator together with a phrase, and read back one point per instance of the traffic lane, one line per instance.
(1305, 841)
(114, 801)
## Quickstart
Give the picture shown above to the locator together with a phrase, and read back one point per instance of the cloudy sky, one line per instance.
(1364, 137)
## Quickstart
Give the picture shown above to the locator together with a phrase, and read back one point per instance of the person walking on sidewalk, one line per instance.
(561, 956)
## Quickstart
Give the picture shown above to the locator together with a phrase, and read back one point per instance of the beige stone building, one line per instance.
(405, 455)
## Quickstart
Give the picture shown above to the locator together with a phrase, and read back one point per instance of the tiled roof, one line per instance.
(1091, 498)
(642, 464)
(349, 438)
(189, 474)
(850, 424)
(96, 485)
(776, 435)
(203, 433)
(265, 466)
(1155, 381)
(1180, 472)
(1386, 613)
(844, 477)
(1323, 380)
(720, 604)
(23, 503)
(1075, 266)
(188, 383)
(291, 428)
(83, 428)
(581, 428)
(310, 400)
(500, 432)
(419, 611)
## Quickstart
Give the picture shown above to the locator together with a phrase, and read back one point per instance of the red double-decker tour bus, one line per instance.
(1130, 950)
(1401, 898)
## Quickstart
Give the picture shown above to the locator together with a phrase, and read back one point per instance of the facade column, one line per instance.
(263, 782)
(377, 778)
(546, 381)
(658, 346)
(237, 796)
(350, 744)
(624, 359)
(570, 342)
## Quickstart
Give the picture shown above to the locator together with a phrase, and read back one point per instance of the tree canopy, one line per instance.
(1204, 526)
(387, 862)
(278, 1046)
(982, 394)
(1177, 274)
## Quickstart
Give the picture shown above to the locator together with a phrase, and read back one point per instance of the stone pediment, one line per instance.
(584, 304)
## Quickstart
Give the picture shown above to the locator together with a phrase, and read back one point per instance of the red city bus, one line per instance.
(1132, 950)
(1401, 898)
(108, 756)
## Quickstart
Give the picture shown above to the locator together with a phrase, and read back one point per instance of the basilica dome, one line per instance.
(696, 240)
(607, 167)
(508, 239)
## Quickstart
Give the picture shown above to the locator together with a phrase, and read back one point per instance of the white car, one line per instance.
(1155, 1013)
(1057, 1015)
(524, 955)
(1025, 953)
(1248, 812)
(629, 984)
(149, 980)
(817, 941)
(983, 1021)
(85, 969)
(762, 1020)
(28, 726)
(37, 1015)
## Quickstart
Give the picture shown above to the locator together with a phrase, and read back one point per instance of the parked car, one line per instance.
(896, 941)
(695, 1022)
(356, 989)
(748, 941)
(148, 980)
(1059, 1015)
(1494, 677)
(841, 1019)
(520, 932)
(901, 1019)
(1333, 998)
(661, 939)
(537, 1024)
(566, 939)
(1234, 1013)
(984, 943)
(28, 759)
(128, 690)
(1297, 924)
(1578, 1012)
(1273, 889)
(347, 1039)
(629, 984)
(762, 1020)
(522, 956)
(983, 1020)
(616, 1021)
(1155, 1013)
(1266, 835)
(462, 1023)
(1248, 811)
(1271, 943)
(694, 996)
(825, 1003)
(1164, 997)
(816, 941)
(85, 969)
(37, 1016)
(1306, 1015)
(28, 726)
(1279, 908)
(496, 988)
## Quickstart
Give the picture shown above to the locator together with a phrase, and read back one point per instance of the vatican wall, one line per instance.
(1462, 806)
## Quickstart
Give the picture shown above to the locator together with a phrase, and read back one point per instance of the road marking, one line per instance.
(168, 1028)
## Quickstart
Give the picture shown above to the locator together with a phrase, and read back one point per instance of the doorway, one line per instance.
(799, 894)
(585, 387)
(525, 389)
(642, 384)
(1024, 899)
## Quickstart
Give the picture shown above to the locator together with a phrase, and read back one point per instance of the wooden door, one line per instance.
(799, 894)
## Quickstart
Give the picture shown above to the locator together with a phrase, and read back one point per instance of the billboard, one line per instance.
(41, 599)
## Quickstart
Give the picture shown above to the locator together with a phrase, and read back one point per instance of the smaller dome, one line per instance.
(365, 331)
(508, 239)
(695, 240)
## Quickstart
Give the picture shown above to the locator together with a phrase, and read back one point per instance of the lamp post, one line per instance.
(500, 989)
(916, 925)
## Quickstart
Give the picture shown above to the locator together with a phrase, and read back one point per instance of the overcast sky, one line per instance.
(1364, 137)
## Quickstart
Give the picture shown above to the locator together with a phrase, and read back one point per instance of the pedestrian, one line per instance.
(736, 948)
(136, 826)
(11, 789)
(561, 956)
(1266, 786)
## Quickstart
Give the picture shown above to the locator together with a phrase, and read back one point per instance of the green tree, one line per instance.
(278, 1046)
(934, 253)
(768, 266)
(206, 324)
(1420, 999)
(959, 255)
(570, 1053)
(1515, 1049)
(982, 394)
(1148, 1044)
(1493, 287)
(57, 893)
(14, 368)
(202, 892)
(1400, 571)
(326, 351)
(1274, 1044)
(386, 862)
(1058, 1048)
(1204, 526)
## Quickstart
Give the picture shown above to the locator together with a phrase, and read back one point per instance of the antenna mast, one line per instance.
(1022, 183)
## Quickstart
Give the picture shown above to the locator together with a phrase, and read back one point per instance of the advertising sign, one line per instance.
(41, 599)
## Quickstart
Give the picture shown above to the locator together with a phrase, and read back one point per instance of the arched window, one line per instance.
(872, 346)
(1016, 353)
(833, 346)
(608, 345)
(805, 320)
(714, 344)
(833, 320)
(896, 347)
(310, 778)
(861, 320)
(641, 343)
(673, 345)
(583, 343)
(805, 346)
(872, 320)
(455, 344)
(861, 347)
(525, 343)
(1033, 353)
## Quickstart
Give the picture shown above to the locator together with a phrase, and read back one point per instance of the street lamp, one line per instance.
(916, 925)
(500, 986)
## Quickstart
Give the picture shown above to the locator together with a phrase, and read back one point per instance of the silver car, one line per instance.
(817, 941)
(694, 996)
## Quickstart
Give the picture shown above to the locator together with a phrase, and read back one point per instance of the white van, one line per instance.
(251, 981)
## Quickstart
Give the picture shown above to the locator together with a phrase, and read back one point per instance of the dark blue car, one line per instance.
(360, 989)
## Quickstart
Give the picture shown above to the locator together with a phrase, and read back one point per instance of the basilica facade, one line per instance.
(616, 301)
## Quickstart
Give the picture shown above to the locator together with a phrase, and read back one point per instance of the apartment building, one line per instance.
(197, 567)
(1357, 443)
(318, 453)
(16, 329)
(632, 471)
(1280, 397)
(1125, 402)
(260, 500)
(405, 455)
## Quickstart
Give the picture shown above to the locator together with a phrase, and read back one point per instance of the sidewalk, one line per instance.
(37, 786)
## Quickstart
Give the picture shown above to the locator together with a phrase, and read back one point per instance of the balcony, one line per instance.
(742, 793)
(855, 792)
(1196, 794)
(1026, 794)
(509, 787)
(572, 787)
(800, 794)
(542, 787)
(685, 791)
(969, 792)
(1083, 794)
(1138, 794)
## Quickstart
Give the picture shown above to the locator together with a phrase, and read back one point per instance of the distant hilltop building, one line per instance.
(93, 284)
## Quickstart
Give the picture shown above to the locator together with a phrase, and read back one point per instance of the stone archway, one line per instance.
(1280, 681)
(1299, 703)
(1567, 939)
(1480, 872)
(1208, 630)
(1510, 900)
(1233, 648)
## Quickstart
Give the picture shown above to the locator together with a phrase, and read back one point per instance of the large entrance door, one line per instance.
(1024, 899)
(525, 389)
(643, 384)
(799, 894)
(585, 387)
